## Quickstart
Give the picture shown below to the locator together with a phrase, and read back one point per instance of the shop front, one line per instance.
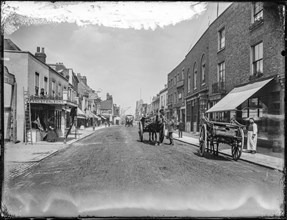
(192, 114)
(260, 100)
(50, 115)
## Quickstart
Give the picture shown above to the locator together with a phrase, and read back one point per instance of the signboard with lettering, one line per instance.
(47, 101)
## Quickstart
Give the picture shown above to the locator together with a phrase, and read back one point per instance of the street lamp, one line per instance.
(65, 124)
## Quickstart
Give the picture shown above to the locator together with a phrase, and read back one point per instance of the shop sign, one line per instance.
(47, 101)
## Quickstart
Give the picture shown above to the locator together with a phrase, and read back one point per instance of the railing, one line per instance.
(218, 87)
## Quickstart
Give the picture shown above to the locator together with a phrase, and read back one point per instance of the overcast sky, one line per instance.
(122, 48)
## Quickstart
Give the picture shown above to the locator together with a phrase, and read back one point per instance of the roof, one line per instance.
(107, 104)
(9, 45)
(93, 95)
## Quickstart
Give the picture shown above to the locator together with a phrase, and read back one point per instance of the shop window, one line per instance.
(37, 76)
(257, 59)
(257, 11)
(221, 39)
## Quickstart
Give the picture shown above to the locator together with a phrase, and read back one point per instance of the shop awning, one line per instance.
(80, 113)
(92, 115)
(103, 117)
(237, 96)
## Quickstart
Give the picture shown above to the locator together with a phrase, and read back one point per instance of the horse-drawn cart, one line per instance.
(152, 126)
(129, 120)
(213, 133)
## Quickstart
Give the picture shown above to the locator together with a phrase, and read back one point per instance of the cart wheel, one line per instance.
(237, 146)
(202, 140)
(141, 131)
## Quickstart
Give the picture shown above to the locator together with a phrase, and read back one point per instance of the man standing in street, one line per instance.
(180, 129)
(252, 136)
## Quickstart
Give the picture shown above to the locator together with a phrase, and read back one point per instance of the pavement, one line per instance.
(20, 157)
(274, 162)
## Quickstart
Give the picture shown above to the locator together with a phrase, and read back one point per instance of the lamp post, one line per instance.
(65, 124)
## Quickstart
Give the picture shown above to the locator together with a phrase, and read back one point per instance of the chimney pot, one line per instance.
(38, 49)
(43, 50)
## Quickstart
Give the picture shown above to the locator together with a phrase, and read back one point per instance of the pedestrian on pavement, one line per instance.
(252, 136)
(180, 128)
(170, 129)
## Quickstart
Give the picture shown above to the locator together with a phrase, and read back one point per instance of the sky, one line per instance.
(126, 49)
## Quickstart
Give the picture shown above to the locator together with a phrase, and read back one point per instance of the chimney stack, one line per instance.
(41, 55)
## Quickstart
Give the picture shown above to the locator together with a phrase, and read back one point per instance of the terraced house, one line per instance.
(235, 68)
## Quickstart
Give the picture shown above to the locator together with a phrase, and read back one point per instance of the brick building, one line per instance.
(176, 103)
(240, 51)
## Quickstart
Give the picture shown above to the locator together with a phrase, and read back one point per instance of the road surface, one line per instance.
(112, 173)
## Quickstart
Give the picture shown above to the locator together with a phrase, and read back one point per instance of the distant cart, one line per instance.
(129, 120)
(213, 133)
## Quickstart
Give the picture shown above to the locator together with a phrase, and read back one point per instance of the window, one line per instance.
(257, 59)
(221, 72)
(177, 77)
(182, 73)
(59, 90)
(45, 84)
(188, 80)
(37, 76)
(221, 39)
(203, 69)
(174, 81)
(53, 88)
(257, 11)
(194, 76)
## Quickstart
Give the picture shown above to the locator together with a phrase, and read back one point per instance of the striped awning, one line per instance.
(237, 96)
(80, 113)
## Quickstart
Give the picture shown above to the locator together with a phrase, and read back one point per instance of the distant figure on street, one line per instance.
(180, 128)
(252, 136)
(170, 128)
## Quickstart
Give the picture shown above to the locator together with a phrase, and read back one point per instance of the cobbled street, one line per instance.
(112, 172)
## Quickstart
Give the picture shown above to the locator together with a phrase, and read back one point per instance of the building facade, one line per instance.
(43, 85)
(163, 98)
(242, 47)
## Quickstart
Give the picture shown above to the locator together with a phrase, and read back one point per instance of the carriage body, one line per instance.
(213, 133)
(150, 125)
(129, 120)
